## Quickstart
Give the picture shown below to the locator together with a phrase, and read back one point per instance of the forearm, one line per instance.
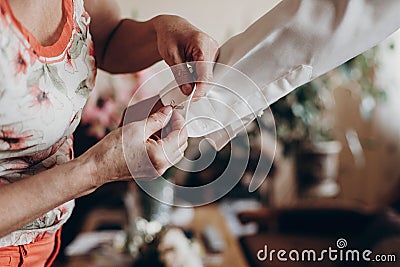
(131, 47)
(30, 198)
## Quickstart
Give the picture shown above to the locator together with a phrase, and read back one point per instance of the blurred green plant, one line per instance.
(302, 115)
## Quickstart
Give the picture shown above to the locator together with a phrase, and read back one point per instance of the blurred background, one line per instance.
(335, 172)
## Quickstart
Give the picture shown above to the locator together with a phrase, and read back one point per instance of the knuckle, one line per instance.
(198, 54)
(206, 76)
(199, 35)
(158, 119)
(173, 55)
(206, 40)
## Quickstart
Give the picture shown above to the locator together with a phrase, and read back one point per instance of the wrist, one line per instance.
(159, 21)
(88, 171)
(171, 24)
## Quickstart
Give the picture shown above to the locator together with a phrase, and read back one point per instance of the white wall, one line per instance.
(219, 18)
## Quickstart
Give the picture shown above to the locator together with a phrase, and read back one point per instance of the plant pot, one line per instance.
(317, 169)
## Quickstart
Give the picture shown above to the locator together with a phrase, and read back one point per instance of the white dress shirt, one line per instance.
(294, 43)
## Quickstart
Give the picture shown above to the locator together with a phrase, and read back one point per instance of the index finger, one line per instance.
(177, 121)
(204, 69)
(176, 129)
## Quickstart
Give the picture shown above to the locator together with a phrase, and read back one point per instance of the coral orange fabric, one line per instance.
(38, 254)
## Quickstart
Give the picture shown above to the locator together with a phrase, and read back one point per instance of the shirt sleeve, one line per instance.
(294, 43)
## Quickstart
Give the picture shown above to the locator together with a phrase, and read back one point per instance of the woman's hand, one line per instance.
(179, 42)
(130, 151)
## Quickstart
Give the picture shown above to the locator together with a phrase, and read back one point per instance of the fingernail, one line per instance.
(167, 110)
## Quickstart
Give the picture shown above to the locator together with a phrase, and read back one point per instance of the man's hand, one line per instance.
(178, 42)
(126, 45)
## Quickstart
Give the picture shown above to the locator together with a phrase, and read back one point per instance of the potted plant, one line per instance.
(304, 123)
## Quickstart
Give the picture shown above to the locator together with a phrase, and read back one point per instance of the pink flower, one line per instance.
(20, 63)
(40, 98)
(13, 140)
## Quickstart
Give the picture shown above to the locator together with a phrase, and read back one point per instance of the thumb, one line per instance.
(157, 120)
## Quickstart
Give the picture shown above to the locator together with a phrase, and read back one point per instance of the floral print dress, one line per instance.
(42, 92)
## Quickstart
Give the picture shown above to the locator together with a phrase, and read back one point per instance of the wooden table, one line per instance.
(232, 256)
(211, 215)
